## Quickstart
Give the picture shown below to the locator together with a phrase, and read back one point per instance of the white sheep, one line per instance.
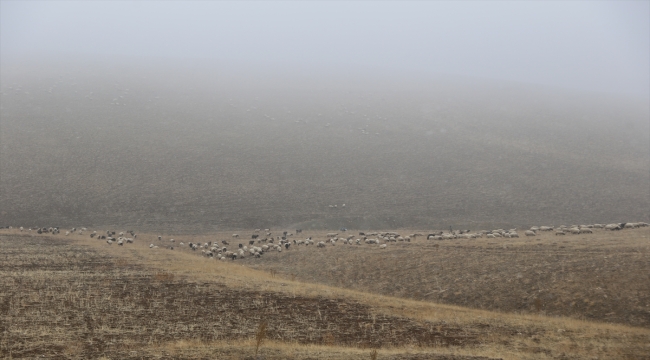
(382, 246)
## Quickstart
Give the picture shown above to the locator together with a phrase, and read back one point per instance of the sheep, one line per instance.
(320, 244)
(613, 227)
(235, 235)
(586, 231)
(225, 242)
(159, 238)
(331, 235)
(559, 232)
(545, 228)
(574, 230)
(382, 246)
(151, 246)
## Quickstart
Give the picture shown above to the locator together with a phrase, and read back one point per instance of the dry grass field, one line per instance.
(603, 276)
(77, 298)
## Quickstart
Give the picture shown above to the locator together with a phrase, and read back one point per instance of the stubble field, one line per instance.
(73, 297)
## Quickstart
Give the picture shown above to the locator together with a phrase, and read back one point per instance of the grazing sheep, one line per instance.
(586, 231)
(545, 228)
(574, 230)
(320, 244)
(382, 246)
(560, 232)
(159, 238)
(235, 235)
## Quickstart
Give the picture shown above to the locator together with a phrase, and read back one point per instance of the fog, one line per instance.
(253, 114)
(594, 46)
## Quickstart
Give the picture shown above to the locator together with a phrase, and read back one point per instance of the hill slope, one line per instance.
(203, 149)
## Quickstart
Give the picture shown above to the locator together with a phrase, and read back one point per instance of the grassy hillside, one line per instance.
(600, 277)
(74, 297)
(209, 148)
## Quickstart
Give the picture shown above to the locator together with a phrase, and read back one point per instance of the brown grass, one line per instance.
(160, 303)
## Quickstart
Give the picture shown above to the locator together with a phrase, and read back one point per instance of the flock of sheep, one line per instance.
(258, 245)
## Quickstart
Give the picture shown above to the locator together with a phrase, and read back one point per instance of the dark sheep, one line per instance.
(255, 236)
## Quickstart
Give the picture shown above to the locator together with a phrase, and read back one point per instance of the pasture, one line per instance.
(77, 297)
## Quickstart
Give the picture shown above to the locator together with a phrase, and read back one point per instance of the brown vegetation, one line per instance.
(603, 276)
(80, 298)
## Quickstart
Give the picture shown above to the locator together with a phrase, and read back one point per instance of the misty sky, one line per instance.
(600, 46)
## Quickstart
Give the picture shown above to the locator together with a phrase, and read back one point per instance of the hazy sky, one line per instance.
(602, 46)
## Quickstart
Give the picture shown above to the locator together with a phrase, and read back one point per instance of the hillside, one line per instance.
(74, 297)
(204, 148)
